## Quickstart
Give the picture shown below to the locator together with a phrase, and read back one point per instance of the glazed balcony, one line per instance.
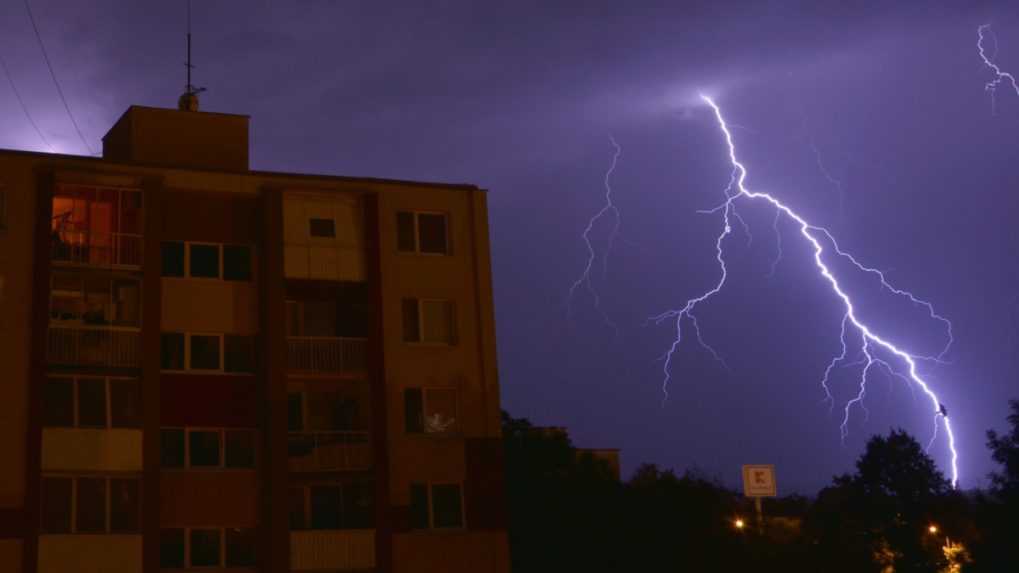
(327, 355)
(329, 451)
(105, 346)
(91, 249)
(332, 550)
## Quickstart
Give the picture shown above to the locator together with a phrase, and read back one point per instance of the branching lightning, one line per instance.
(1000, 76)
(818, 237)
(609, 209)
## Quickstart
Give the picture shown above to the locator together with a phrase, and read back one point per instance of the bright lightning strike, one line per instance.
(607, 210)
(1000, 76)
(817, 237)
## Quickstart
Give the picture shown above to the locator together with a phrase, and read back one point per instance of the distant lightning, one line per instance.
(1000, 76)
(609, 209)
(816, 236)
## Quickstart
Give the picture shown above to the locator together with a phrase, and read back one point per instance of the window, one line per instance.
(436, 506)
(239, 354)
(332, 506)
(96, 226)
(423, 233)
(91, 504)
(323, 411)
(204, 261)
(81, 402)
(324, 228)
(204, 545)
(208, 352)
(172, 548)
(207, 547)
(172, 351)
(173, 259)
(207, 260)
(95, 300)
(205, 352)
(236, 263)
(430, 321)
(240, 547)
(430, 410)
(199, 448)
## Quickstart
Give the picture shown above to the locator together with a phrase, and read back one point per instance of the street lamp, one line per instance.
(932, 529)
(739, 523)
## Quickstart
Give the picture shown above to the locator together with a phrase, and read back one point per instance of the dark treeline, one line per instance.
(896, 513)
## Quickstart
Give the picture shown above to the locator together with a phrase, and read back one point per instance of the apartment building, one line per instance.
(210, 367)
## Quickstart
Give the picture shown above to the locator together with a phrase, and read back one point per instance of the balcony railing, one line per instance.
(93, 346)
(332, 550)
(326, 355)
(97, 249)
(329, 451)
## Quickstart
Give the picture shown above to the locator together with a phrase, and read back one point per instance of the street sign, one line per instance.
(759, 481)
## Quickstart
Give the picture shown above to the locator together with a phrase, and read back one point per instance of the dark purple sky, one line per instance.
(521, 98)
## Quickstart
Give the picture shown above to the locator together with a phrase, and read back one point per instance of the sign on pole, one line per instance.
(759, 481)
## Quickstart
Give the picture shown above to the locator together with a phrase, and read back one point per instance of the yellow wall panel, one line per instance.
(90, 553)
(91, 450)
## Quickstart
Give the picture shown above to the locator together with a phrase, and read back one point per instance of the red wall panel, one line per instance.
(208, 400)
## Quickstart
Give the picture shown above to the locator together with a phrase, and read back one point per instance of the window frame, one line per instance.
(220, 248)
(429, 485)
(306, 488)
(453, 330)
(83, 294)
(108, 504)
(425, 390)
(221, 370)
(108, 398)
(415, 214)
(221, 434)
(222, 547)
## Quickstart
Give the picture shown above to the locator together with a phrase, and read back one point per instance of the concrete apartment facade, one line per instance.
(209, 367)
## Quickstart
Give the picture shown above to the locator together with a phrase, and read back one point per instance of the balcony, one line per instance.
(105, 250)
(329, 451)
(332, 550)
(114, 347)
(327, 355)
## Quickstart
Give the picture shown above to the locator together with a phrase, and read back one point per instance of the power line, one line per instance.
(24, 108)
(53, 75)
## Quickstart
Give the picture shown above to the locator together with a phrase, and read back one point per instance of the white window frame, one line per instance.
(221, 433)
(431, 505)
(108, 516)
(75, 403)
(221, 273)
(425, 390)
(454, 331)
(417, 233)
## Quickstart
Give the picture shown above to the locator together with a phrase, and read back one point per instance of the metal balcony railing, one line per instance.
(329, 451)
(332, 550)
(93, 346)
(326, 355)
(97, 249)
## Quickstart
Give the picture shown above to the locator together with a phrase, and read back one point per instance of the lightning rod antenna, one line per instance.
(189, 100)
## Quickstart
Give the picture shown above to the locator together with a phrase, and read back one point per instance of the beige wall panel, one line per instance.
(195, 498)
(332, 550)
(451, 552)
(295, 222)
(322, 262)
(91, 450)
(352, 264)
(10, 555)
(295, 262)
(90, 553)
(197, 305)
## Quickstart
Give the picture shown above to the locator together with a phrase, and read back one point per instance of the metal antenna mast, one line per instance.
(189, 100)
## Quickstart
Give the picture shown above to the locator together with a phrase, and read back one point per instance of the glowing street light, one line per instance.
(932, 529)
(739, 523)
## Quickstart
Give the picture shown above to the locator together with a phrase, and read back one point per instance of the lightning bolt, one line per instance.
(1000, 76)
(818, 238)
(609, 209)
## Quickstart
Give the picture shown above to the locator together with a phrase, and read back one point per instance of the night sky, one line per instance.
(521, 98)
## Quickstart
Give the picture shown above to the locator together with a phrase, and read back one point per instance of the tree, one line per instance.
(997, 512)
(1005, 451)
(881, 513)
